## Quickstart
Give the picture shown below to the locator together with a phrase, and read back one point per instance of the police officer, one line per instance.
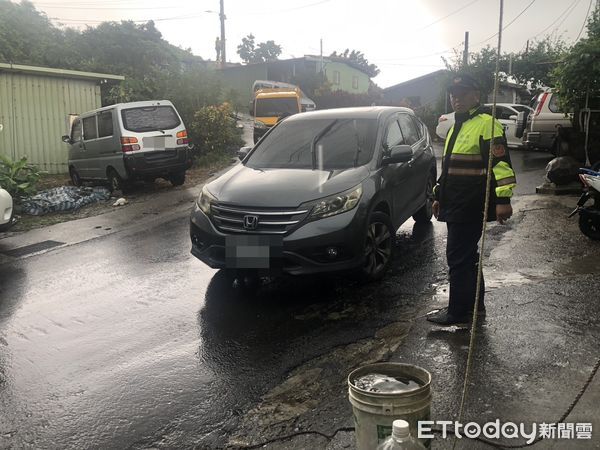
(460, 195)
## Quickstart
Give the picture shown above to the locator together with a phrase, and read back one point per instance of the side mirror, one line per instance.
(513, 117)
(66, 139)
(243, 152)
(251, 108)
(398, 154)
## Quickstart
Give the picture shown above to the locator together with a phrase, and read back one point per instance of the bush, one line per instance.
(18, 177)
(215, 132)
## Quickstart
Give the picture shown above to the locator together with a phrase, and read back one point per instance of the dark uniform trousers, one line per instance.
(463, 257)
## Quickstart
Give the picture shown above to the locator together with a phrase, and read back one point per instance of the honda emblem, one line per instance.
(250, 222)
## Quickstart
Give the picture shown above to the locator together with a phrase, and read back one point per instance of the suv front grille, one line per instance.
(234, 219)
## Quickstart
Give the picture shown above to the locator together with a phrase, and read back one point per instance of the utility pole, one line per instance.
(222, 17)
(527, 48)
(321, 56)
(466, 52)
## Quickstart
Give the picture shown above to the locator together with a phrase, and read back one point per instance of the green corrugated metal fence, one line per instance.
(34, 114)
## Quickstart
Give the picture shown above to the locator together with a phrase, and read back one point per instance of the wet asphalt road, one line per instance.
(127, 341)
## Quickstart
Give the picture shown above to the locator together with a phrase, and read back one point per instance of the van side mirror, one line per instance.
(398, 154)
(243, 152)
(67, 139)
(513, 117)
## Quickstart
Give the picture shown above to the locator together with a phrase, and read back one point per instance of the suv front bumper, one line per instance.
(304, 249)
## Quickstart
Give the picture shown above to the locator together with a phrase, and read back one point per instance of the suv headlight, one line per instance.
(204, 200)
(336, 204)
(260, 125)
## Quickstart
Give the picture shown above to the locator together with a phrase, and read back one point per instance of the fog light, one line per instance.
(332, 252)
(196, 241)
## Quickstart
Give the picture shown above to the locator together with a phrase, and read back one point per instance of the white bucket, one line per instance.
(374, 412)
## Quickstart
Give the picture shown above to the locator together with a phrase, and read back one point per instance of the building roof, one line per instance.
(60, 73)
(422, 77)
(303, 58)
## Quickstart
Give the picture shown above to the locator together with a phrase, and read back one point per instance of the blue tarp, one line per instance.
(64, 198)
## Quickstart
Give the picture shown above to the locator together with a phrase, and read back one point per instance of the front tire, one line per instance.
(75, 178)
(590, 226)
(379, 246)
(177, 179)
(115, 182)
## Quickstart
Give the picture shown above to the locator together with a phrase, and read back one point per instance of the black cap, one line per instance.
(463, 80)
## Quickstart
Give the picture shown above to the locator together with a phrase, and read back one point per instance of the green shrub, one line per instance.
(215, 133)
(18, 177)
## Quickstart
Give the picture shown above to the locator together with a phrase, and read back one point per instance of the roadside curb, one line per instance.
(143, 213)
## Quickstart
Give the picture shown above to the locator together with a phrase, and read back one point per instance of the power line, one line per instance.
(446, 16)
(584, 21)
(563, 20)
(509, 23)
(570, 7)
(47, 6)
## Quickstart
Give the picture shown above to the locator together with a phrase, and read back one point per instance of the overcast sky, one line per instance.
(405, 38)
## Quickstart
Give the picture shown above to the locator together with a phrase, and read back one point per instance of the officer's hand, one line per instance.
(435, 207)
(503, 213)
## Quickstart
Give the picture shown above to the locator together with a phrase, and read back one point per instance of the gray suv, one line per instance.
(322, 191)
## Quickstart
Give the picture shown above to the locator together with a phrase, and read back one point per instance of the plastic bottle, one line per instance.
(400, 438)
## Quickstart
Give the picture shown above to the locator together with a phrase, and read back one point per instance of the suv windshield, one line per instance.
(150, 118)
(326, 144)
(272, 107)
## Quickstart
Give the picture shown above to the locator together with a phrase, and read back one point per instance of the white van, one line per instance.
(127, 142)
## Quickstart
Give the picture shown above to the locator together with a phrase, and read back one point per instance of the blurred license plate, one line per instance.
(155, 142)
(253, 252)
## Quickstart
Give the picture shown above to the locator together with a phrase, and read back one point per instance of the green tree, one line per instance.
(578, 74)
(536, 64)
(357, 59)
(250, 52)
(26, 35)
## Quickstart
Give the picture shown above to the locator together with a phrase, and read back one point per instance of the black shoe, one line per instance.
(443, 317)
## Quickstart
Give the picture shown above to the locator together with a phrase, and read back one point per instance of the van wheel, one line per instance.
(177, 179)
(424, 214)
(75, 178)
(115, 182)
(379, 247)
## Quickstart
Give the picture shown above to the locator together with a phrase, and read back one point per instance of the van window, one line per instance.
(89, 128)
(76, 131)
(272, 107)
(105, 124)
(150, 118)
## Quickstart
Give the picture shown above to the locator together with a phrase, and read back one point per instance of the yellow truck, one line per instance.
(273, 105)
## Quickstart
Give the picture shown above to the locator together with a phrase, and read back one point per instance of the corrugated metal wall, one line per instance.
(34, 114)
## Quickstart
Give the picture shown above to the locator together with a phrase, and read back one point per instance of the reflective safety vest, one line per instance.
(461, 186)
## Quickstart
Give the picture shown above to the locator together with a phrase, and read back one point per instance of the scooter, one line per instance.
(589, 216)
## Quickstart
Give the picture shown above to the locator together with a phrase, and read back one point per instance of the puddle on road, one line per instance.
(302, 392)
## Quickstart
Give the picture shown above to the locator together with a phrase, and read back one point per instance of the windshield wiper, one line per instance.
(316, 139)
(358, 147)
